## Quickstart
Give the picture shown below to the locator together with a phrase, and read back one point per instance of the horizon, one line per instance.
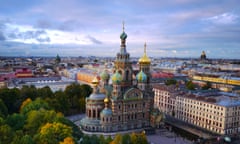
(176, 29)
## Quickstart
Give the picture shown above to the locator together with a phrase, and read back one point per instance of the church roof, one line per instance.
(106, 111)
(144, 58)
(105, 75)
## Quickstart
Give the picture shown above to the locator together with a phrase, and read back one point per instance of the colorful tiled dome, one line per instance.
(105, 75)
(116, 78)
(141, 77)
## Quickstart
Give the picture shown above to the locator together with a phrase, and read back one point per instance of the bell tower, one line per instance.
(122, 63)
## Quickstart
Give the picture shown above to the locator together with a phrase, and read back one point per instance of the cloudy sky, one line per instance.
(171, 28)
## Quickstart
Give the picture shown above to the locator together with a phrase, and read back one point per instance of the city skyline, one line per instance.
(180, 28)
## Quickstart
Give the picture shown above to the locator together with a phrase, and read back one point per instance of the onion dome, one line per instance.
(116, 78)
(97, 96)
(106, 100)
(104, 75)
(123, 36)
(141, 77)
(95, 81)
(106, 112)
(144, 58)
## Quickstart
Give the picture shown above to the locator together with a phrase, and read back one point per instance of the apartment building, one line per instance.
(218, 112)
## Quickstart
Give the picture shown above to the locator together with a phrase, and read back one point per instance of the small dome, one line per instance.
(105, 75)
(144, 58)
(106, 112)
(141, 77)
(97, 96)
(95, 81)
(106, 100)
(123, 35)
(117, 78)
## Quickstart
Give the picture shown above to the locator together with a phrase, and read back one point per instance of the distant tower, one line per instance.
(203, 56)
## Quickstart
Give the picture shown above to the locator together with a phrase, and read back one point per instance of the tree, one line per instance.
(36, 118)
(16, 121)
(59, 102)
(9, 97)
(86, 90)
(6, 134)
(126, 139)
(117, 139)
(170, 81)
(3, 109)
(68, 140)
(45, 92)
(206, 86)
(35, 105)
(24, 103)
(28, 92)
(53, 133)
(190, 85)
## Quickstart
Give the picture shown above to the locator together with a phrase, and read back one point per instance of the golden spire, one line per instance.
(144, 58)
(145, 46)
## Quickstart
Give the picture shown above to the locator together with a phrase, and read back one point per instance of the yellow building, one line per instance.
(223, 80)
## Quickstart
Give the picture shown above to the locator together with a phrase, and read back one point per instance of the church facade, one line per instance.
(123, 105)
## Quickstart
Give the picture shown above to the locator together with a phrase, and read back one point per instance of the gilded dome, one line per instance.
(144, 58)
(95, 81)
(106, 100)
(105, 75)
(117, 78)
(141, 77)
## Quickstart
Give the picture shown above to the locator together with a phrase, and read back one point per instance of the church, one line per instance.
(125, 104)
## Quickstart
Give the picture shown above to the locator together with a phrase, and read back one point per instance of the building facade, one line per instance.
(123, 105)
(217, 112)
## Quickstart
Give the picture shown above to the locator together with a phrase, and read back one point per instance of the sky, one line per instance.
(170, 28)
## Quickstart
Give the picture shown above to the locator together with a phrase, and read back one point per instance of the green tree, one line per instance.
(28, 92)
(35, 105)
(16, 121)
(3, 109)
(60, 102)
(6, 134)
(73, 93)
(86, 90)
(10, 97)
(52, 133)
(36, 118)
(171, 82)
(190, 85)
(45, 92)
(126, 139)
(117, 139)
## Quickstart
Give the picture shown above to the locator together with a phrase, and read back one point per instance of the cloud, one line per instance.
(225, 18)
(2, 37)
(94, 40)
